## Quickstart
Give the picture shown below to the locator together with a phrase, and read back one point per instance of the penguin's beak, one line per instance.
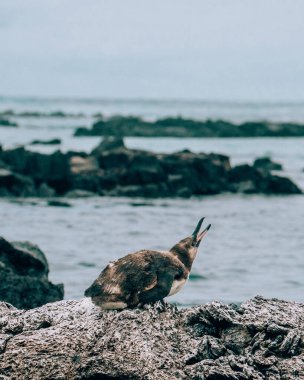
(198, 236)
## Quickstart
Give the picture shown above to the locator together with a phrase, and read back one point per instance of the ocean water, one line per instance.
(255, 245)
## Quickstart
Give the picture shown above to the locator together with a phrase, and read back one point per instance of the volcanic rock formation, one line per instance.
(261, 339)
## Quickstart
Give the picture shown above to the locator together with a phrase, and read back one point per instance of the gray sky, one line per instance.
(228, 49)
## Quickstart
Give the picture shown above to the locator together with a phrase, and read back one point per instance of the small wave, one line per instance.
(196, 277)
(86, 264)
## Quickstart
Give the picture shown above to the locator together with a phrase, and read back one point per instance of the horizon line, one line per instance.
(150, 99)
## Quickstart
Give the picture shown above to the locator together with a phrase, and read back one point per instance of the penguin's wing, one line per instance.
(162, 284)
(128, 275)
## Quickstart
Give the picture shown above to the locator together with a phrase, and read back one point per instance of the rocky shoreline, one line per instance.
(262, 339)
(133, 126)
(111, 169)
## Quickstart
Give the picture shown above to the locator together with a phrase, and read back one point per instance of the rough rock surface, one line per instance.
(261, 339)
(24, 276)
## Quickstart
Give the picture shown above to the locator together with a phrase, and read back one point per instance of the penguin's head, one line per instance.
(190, 244)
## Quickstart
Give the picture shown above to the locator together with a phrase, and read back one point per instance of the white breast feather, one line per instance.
(176, 286)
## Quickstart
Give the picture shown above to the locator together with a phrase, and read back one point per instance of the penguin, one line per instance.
(146, 276)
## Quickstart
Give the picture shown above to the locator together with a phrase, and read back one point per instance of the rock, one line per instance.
(200, 173)
(281, 185)
(24, 276)
(248, 179)
(97, 115)
(265, 163)
(85, 174)
(262, 339)
(108, 143)
(15, 185)
(182, 127)
(46, 142)
(143, 169)
(82, 131)
(114, 170)
(37, 114)
(52, 169)
(7, 113)
(59, 114)
(117, 125)
(45, 191)
(57, 203)
(7, 123)
(78, 193)
(80, 165)
(31, 114)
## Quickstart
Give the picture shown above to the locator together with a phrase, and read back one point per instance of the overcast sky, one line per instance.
(228, 49)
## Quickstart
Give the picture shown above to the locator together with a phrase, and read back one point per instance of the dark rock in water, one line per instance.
(143, 169)
(114, 170)
(109, 143)
(200, 173)
(46, 142)
(7, 113)
(248, 179)
(58, 114)
(168, 127)
(51, 169)
(57, 203)
(265, 163)
(98, 115)
(16, 185)
(82, 131)
(281, 185)
(7, 123)
(24, 276)
(36, 114)
(245, 178)
(54, 114)
(181, 127)
(85, 174)
(260, 339)
(78, 193)
(45, 191)
(117, 125)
